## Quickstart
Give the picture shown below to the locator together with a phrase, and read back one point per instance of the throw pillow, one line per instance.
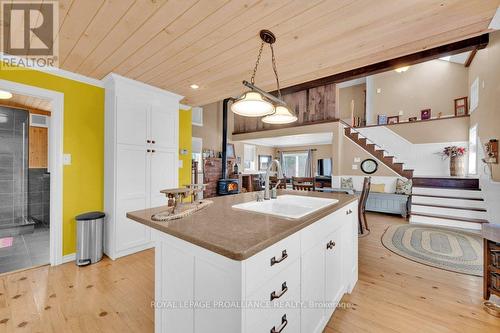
(403, 187)
(346, 183)
(380, 188)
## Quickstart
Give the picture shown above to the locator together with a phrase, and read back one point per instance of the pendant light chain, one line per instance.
(275, 69)
(252, 79)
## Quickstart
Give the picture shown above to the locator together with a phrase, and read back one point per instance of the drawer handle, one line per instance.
(148, 141)
(330, 245)
(284, 289)
(284, 322)
(348, 212)
(148, 150)
(284, 255)
(153, 142)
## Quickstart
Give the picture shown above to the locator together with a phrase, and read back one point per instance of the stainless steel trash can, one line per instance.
(89, 244)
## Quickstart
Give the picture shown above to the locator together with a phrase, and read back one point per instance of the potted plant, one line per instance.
(457, 162)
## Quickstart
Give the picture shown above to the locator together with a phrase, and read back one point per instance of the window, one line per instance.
(473, 150)
(249, 157)
(294, 164)
(197, 144)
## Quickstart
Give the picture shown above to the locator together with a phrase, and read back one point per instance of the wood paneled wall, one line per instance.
(311, 106)
(38, 147)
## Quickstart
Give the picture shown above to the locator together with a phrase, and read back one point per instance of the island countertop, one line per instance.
(233, 233)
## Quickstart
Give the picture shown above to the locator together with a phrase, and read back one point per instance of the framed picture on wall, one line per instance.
(381, 119)
(230, 151)
(461, 107)
(393, 120)
(425, 114)
(264, 161)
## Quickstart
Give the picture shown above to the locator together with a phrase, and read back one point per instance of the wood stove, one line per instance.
(226, 185)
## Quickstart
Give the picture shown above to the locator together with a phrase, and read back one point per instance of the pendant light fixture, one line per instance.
(257, 102)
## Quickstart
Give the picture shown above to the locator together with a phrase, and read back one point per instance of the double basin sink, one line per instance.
(287, 206)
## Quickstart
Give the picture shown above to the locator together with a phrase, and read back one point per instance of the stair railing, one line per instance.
(365, 137)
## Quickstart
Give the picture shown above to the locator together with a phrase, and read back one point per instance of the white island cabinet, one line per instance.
(291, 286)
(140, 158)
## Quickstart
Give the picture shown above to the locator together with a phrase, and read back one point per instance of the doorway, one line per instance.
(24, 183)
(30, 177)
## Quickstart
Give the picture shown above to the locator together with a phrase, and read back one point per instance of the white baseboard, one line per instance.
(68, 258)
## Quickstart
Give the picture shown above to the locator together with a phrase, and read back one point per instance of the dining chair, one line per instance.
(303, 183)
(273, 180)
(363, 223)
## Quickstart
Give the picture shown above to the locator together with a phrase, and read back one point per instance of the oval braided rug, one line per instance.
(450, 249)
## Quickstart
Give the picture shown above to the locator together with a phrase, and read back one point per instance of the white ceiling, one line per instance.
(294, 140)
(460, 58)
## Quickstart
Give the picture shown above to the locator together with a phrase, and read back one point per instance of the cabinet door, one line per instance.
(313, 288)
(334, 286)
(132, 193)
(131, 120)
(164, 174)
(164, 125)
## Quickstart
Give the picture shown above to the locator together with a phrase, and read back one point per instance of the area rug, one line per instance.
(444, 248)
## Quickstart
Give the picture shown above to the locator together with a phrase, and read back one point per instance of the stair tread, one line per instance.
(448, 217)
(449, 188)
(446, 197)
(451, 207)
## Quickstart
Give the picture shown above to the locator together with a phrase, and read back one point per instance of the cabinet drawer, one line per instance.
(282, 291)
(264, 265)
(284, 320)
(317, 231)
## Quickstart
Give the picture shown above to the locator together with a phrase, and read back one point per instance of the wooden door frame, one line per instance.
(55, 161)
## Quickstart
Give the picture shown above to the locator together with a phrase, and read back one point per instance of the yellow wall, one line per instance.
(83, 183)
(185, 142)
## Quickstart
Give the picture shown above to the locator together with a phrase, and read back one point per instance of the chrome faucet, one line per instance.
(279, 175)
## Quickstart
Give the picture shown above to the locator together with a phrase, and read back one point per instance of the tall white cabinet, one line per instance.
(141, 158)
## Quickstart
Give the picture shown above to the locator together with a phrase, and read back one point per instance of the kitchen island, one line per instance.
(227, 270)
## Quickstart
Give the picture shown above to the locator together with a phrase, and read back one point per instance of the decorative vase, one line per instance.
(457, 166)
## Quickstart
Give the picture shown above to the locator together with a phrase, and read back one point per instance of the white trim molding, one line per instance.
(55, 71)
(68, 258)
(55, 160)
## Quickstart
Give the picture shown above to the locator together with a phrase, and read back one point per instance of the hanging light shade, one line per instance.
(282, 115)
(252, 104)
(259, 103)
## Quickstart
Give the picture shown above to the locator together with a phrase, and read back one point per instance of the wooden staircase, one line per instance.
(378, 152)
(448, 201)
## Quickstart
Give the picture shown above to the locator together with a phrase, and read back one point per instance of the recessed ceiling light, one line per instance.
(402, 69)
(5, 94)
(194, 86)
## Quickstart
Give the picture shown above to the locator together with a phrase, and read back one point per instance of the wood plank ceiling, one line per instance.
(213, 43)
(27, 102)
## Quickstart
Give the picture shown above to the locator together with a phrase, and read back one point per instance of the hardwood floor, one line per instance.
(392, 295)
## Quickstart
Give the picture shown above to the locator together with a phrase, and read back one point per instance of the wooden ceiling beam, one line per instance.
(471, 57)
(471, 44)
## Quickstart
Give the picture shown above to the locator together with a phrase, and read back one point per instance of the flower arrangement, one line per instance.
(452, 151)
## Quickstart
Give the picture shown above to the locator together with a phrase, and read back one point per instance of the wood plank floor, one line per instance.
(393, 295)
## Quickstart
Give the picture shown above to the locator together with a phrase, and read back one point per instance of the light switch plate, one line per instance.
(355, 167)
(401, 112)
(357, 159)
(67, 159)
(181, 163)
(379, 90)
